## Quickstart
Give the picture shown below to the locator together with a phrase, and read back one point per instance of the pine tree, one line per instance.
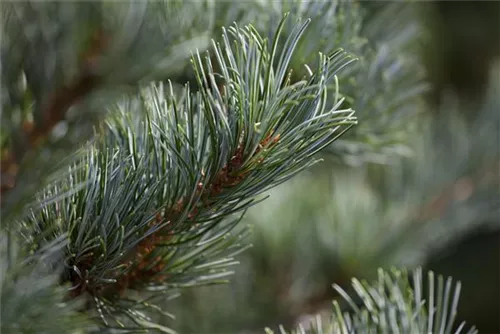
(135, 137)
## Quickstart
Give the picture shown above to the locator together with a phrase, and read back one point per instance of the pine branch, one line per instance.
(393, 304)
(167, 174)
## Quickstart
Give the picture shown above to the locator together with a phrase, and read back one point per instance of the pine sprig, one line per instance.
(167, 174)
(395, 303)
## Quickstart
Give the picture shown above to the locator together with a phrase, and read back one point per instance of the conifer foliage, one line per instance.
(122, 186)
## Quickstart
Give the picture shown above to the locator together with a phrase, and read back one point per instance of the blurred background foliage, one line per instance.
(431, 199)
